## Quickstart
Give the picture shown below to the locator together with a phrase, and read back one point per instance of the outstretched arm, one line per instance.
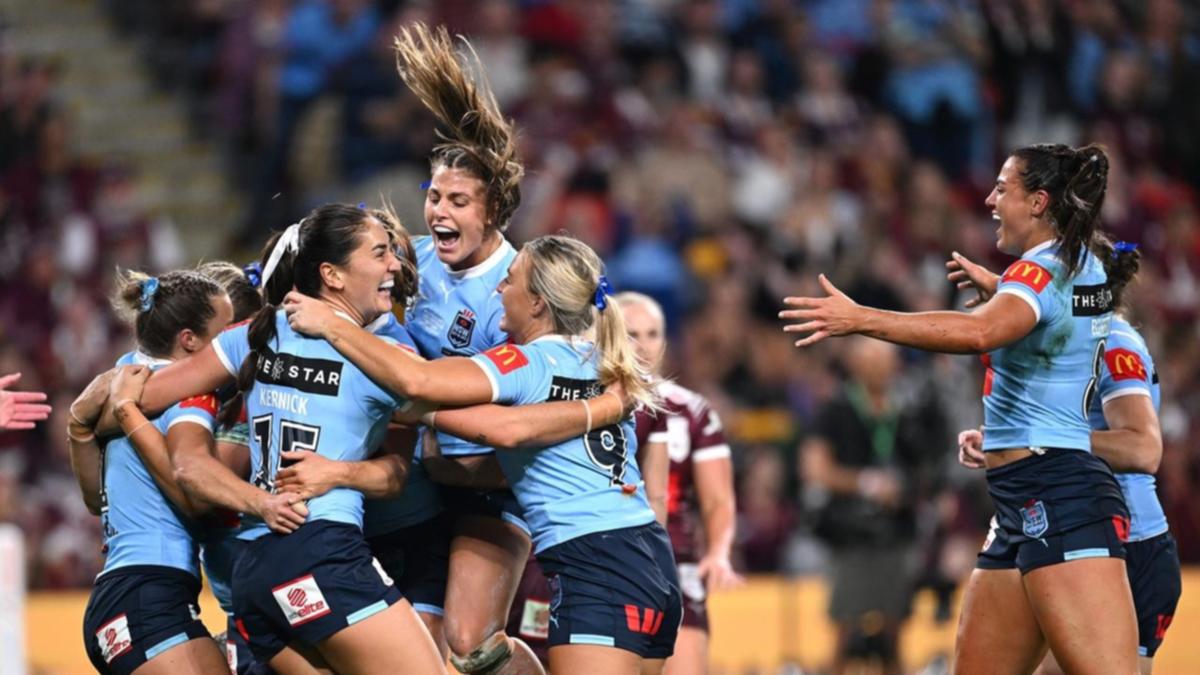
(999, 322)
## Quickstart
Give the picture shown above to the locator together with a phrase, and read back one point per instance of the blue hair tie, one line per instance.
(253, 273)
(362, 205)
(603, 290)
(1125, 247)
(149, 288)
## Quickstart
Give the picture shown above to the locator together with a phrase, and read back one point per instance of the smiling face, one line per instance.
(367, 278)
(521, 306)
(1019, 212)
(456, 213)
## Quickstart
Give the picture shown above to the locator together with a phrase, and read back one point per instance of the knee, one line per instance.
(478, 658)
(462, 637)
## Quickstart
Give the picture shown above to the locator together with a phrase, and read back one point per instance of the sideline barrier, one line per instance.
(770, 622)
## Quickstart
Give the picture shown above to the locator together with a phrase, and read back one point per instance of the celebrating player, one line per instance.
(142, 614)
(1060, 514)
(1125, 434)
(473, 191)
(593, 530)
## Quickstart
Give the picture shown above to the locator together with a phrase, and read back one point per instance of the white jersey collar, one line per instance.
(482, 268)
(141, 358)
(1040, 247)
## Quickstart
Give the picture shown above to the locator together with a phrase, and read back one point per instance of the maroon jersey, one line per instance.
(692, 432)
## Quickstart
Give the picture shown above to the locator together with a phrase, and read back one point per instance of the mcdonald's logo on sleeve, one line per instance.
(1028, 273)
(507, 358)
(1125, 365)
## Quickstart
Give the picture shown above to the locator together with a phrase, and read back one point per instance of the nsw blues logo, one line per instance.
(461, 329)
(1034, 521)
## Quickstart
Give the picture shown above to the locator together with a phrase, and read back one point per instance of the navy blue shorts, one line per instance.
(138, 612)
(1060, 506)
(1153, 568)
(500, 504)
(615, 589)
(417, 558)
(306, 586)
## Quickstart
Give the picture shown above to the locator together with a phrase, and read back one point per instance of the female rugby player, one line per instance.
(473, 191)
(1060, 514)
(142, 614)
(593, 529)
(1126, 434)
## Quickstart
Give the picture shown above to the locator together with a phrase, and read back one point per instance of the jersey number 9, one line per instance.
(608, 450)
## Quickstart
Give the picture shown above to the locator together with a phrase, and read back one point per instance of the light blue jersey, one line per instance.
(141, 526)
(457, 313)
(420, 499)
(584, 485)
(1038, 390)
(1129, 370)
(307, 396)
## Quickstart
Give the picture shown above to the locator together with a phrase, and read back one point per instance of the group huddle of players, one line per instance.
(371, 500)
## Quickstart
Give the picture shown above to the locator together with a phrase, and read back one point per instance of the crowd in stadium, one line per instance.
(717, 154)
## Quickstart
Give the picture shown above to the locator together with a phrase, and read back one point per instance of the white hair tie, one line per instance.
(288, 241)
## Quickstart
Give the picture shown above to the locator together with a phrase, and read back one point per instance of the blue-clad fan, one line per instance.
(618, 606)
(1059, 509)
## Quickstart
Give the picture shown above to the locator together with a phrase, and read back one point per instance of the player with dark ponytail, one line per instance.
(1054, 559)
(1126, 434)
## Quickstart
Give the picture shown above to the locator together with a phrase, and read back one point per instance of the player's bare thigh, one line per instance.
(196, 656)
(1085, 610)
(997, 631)
(691, 653)
(594, 659)
(392, 641)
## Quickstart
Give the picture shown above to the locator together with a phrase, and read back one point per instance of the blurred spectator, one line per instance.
(866, 463)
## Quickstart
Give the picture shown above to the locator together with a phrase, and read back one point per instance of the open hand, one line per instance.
(967, 274)
(831, 316)
(20, 409)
